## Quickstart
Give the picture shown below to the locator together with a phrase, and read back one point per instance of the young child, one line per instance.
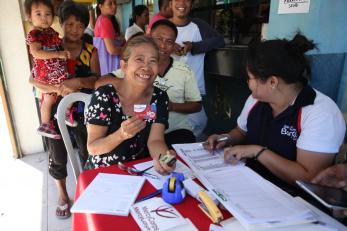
(49, 59)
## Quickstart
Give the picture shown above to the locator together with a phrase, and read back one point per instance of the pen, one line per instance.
(224, 138)
(149, 196)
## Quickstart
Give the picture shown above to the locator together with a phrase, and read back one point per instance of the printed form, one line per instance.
(254, 201)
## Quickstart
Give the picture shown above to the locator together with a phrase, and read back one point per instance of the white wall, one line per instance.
(16, 67)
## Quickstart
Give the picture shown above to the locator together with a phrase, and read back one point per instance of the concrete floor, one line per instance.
(28, 196)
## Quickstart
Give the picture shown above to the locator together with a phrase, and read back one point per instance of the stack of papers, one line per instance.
(109, 194)
(155, 214)
(254, 201)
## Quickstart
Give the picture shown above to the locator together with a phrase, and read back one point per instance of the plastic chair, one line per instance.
(62, 107)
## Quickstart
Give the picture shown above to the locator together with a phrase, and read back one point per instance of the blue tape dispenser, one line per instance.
(173, 190)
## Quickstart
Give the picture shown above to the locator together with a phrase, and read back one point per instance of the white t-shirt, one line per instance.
(130, 31)
(322, 124)
(180, 85)
(191, 33)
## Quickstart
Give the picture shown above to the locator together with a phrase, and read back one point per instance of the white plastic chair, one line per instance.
(62, 107)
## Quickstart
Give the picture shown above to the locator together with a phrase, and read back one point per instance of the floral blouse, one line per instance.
(105, 109)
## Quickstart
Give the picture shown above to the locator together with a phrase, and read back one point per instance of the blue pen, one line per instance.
(149, 196)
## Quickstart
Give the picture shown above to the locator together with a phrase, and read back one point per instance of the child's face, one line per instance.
(181, 8)
(41, 16)
(73, 29)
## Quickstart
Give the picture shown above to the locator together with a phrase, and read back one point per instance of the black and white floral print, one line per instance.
(105, 109)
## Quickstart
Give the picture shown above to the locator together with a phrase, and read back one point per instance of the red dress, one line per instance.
(51, 71)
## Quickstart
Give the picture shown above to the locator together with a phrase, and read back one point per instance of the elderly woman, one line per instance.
(287, 130)
(115, 132)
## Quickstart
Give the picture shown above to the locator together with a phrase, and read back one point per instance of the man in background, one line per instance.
(195, 38)
(165, 12)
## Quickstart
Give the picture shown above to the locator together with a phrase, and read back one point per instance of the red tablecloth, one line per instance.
(81, 221)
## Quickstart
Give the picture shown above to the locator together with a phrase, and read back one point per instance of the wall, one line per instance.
(16, 67)
(326, 25)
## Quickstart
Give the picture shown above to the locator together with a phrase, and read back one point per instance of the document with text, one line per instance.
(254, 201)
(109, 194)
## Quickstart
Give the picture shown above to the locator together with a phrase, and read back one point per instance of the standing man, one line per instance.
(195, 38)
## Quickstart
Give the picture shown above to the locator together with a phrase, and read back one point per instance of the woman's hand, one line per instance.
(130, 127)
(240, 152)
(334, 176)
(164, 169)
(212, 144)
(70, 85)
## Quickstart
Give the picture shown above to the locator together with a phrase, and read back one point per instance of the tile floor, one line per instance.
(28, 195)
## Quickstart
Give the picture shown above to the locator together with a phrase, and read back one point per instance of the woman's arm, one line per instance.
(77, 83)
(186, 108)
(156, 146)
(306, 166)
(45, 88)
(111, 47)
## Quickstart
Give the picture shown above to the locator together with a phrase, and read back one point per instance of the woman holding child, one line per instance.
(85, 70)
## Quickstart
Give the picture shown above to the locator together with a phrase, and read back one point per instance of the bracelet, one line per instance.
(259, 153)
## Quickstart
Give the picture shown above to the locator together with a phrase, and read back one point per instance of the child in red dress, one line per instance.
(49, 59)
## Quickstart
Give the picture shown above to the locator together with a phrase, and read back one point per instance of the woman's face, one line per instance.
(142, 65)
(143, 19)
(259, 89)
(165, 38)
(73, 29)
(108, 8)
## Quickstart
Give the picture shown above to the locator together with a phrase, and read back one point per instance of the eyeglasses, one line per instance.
(136, 172)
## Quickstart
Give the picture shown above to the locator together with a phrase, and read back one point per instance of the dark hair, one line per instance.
(165, 22)
(282, 58)
(113, 19)
(134, 42)
(29, 3)
(137, 11)
(69, 8)
(162, 3)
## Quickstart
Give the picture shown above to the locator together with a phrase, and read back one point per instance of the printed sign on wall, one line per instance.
(293, 6)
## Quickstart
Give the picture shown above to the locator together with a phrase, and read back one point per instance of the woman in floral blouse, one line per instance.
(115, 133)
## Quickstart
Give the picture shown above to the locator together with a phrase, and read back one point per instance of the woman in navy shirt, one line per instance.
(287, 130)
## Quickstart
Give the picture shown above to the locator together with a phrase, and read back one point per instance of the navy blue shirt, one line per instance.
(279, 134)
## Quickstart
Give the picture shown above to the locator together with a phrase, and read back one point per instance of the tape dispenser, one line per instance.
(173, 191)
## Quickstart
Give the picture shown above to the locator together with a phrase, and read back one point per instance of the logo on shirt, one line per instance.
(289, 131)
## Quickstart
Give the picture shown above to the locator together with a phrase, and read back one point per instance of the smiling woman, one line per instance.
(115, 132)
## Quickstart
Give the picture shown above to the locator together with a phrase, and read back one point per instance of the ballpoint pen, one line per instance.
(149, 196)
(224, 138)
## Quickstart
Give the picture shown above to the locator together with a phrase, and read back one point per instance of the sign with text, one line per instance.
(293, 6)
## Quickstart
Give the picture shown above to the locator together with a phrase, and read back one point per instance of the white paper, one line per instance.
(293, 6)
(158, 183)
(156, 214)
(199, 159)
(232, 224)
(109, 194)
(254, 201)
